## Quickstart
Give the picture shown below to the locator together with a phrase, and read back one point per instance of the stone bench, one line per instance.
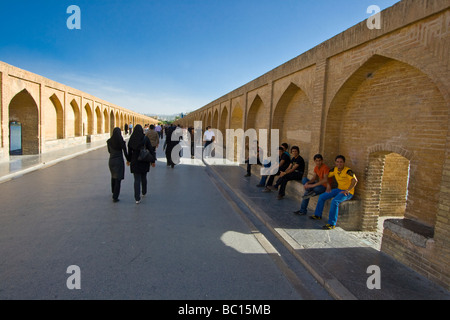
(349, 211)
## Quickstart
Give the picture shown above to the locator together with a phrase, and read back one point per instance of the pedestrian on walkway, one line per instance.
(153, 136)
(283, 163)
(347, 181)
(169, 145)
(117, 149)
(139, 168)
(250, 156)
(295, 171)
(317, 185)
(208, 139)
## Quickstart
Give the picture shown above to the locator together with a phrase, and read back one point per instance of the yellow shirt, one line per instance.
(344, 178)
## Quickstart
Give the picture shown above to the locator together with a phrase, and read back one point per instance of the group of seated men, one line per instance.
(292, 167)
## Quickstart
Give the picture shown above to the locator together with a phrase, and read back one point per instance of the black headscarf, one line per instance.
(116, 140)
(137, 137)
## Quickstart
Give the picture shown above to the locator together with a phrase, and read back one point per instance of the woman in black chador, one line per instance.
(139, 168)
(116, 148)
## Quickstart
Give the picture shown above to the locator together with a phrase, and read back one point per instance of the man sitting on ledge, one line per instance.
(317, 185)
(293, 172)
(347, 181)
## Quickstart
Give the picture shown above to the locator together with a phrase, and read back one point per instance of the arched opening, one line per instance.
(237, 118)
(24, 115)
(215, 122)
(223, 125)
(99, 121)
(257, 119)
(105, 116)
(73, 120)
(388, 180)
(390, 106)
(209, 119)
(237, 122)
(54, 120)
(112, 124)
(88, 122)
(394, 186)
(116, 122)
(293, 117)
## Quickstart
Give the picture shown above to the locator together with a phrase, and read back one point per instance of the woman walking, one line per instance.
(139, 168)
(116, 148)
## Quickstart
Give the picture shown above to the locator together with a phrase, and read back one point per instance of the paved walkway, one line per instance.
(337, 259)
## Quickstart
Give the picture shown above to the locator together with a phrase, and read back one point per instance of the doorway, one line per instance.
(15, 138)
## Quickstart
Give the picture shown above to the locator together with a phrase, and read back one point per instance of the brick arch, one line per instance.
(215, 122)
(383, 181)
(106, 120)
(99, 118)
(293, 117)
(223, 125)
(237, 118)
(208, 118)
(23, 109)
(391, 106)
(73, 120)
(55, 120)
(89, 124)
(257, 117)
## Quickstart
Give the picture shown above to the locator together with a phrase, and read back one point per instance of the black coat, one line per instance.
(116, 163)
(136, 166)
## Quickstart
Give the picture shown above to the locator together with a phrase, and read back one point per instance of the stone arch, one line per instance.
(209, 119)
(54, 120)
(292, 116)
(237, 118)
(88, 121)
(106, 120)
(24, 111)
(117, 121)
(73, 120)
(99, 118)
(257, 117)
(223, 125)
(112, 122)
(393, 107)
(215, 122)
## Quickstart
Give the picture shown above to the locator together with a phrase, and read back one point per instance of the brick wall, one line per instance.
(381, 98)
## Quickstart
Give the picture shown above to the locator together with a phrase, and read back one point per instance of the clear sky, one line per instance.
(167, 56)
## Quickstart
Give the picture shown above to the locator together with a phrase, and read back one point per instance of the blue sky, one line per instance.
(167, 56)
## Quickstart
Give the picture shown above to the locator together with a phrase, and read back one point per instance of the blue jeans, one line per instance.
(334, 206)
(317, 190)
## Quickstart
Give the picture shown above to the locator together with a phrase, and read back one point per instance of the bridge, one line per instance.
(41, 115)
(203, 232)
(380, 97)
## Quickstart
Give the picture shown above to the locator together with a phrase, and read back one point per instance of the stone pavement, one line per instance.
(20, 165)
(337, 259)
